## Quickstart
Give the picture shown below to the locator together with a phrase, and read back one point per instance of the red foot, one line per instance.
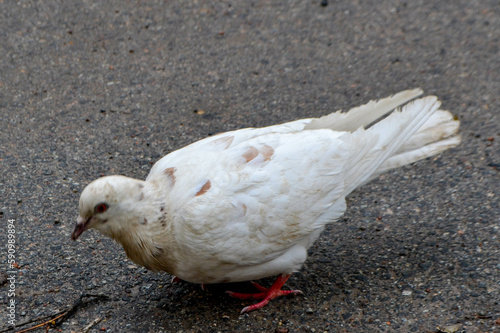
(265, 294)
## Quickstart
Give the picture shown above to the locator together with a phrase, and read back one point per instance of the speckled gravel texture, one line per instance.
(99, 88)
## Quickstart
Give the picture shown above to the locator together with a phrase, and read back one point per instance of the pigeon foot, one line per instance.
(265, 294)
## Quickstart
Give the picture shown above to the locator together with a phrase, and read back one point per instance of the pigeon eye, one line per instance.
(101, 208)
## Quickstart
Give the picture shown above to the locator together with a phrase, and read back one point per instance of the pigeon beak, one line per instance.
(80, 226)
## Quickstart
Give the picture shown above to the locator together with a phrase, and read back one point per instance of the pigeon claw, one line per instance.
(265, 294)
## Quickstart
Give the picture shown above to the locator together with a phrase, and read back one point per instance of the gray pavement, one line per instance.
(98, 88)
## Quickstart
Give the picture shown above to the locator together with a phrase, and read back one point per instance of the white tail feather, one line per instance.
(440, 126)
(438, 134)
(363, 115)
(417, 154)
(385, 139)
(418, 131)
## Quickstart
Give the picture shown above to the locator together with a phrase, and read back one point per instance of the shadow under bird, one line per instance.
(247, 204)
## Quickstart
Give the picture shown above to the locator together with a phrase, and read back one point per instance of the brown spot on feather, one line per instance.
(170, 173)
(250, 154)
(163, 220)
(267, 152)
(204, 188)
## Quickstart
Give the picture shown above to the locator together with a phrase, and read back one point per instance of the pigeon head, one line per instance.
(107, 204)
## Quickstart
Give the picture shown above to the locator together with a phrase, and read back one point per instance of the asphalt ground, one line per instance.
(99, 88)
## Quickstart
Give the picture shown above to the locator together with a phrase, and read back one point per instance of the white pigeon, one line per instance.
(247, 204)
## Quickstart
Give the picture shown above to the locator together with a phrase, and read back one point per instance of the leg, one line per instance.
(265, 294)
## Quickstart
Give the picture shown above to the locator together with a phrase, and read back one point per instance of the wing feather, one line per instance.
(257, 210)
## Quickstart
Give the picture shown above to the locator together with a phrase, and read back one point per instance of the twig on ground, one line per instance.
(57, 318)
(89, 326)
